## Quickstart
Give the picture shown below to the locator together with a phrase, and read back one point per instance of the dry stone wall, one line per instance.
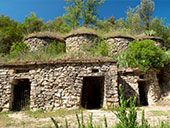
(77, 42)
(55, 86)
(35, 43)
(117, 45)
(131, 79)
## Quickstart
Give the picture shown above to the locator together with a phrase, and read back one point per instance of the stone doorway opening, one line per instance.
(143, 93)
(92, 92)
(21, 95)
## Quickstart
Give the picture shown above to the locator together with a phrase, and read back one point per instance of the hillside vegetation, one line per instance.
(83, 16)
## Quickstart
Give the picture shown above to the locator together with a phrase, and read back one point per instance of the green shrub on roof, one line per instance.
(145, 55)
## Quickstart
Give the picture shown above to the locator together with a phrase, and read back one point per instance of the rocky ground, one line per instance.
(28, 119)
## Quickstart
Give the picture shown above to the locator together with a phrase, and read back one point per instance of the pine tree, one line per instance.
(73, 12)
(90, 12)
(145, 11)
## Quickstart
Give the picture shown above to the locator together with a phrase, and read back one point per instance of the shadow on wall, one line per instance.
(164, 81)
(127, 89)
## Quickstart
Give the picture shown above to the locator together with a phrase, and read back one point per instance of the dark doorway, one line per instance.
(21, 95)
(143, 93)
(92, 92)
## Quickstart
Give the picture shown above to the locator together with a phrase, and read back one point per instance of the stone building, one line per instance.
(71, 83)
(144, 85)
(58, 84)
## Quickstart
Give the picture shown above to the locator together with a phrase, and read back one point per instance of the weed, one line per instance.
(127, 119)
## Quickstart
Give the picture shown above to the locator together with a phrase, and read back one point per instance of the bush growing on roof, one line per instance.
(145, 55)
(18, 47)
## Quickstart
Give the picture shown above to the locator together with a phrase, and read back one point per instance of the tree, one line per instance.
(119, 24)
(82, 11)
(133, 21)
(90, 12)
(9, 33)
(74, 10)
(31, 24)
(58, 25)
(145, 11)
(111, 20)
(160, 29)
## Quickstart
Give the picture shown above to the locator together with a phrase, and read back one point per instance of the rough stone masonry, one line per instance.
(57, 84)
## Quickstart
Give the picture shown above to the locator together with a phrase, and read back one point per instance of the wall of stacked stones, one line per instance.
(117, 45)
(129, 79)
(77, 42)
(58, 86)
(35, 43)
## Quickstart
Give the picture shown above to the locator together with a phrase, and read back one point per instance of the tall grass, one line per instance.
(22, 54)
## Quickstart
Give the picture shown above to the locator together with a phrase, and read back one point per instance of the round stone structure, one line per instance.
(76, 41)
(37, 40)
(118, 44)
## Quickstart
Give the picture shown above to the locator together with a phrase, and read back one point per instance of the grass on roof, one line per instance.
(46, 34)
(84, 30)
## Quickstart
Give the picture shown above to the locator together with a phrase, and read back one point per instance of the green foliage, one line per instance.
(144, 121)
(149, 33)
(168, 55)
(79, 12)
(145, 55)
(104, 25)
(18, 47)
(54, 48)
(99, 47)
(74, 10)
(105, 122)
(161, 30)
(81, 123)
(58, 25)
(9, 33)
(90, 12)
(145, 11)
(128, 119)
(164, 124)
(133, 21)
(55, 123)
(31, 24)
(119, 23)
(121, 58)
(20, 53)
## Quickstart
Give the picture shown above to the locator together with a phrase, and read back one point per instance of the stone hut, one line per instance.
(88, 83)
(144, 85)
(118, 43)
(58, 84)
(37, 40)
(76, 41)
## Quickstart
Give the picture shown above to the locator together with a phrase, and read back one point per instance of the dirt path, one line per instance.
(154, 115)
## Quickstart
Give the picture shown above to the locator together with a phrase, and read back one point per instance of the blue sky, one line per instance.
(49, 9)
